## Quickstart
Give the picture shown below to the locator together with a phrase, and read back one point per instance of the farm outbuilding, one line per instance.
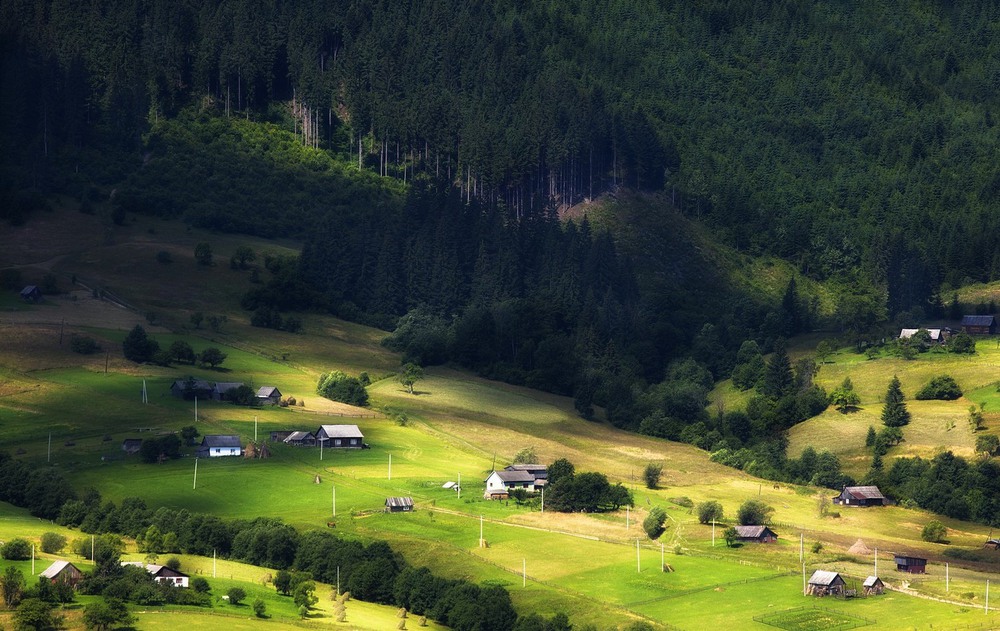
(340, 436)
(300, 439)
(873, 586)
(992, 544)
(268, 395)
(398, 504)
(64, 572)
(938, 336)
(217, 445)
(979, 324)
(824, 583)
(755, 534)
(191, 388)
(913, 565)
(224, 390)
(131, 445)
(31, 293)
(861, 496)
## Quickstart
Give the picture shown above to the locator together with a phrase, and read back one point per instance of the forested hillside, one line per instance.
(852, 141)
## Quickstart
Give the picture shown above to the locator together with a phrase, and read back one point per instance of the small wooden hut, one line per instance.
(913, 565)
(873, 586)
(824, 583)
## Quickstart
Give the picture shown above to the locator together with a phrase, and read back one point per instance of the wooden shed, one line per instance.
(913, 565)
(398, 504)
(979, 324)
(860, 496)
(31, 293)
(873, 586)
(755, 534)
(64, 572)
(824, 583)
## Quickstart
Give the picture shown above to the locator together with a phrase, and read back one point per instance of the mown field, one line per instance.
(458, 426)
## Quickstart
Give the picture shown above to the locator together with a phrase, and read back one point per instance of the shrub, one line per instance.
(53, 542)
(259, 608)
(200, 585)
(339, 387)
(652, 475)
(653, 524)
(173, 563)
(934, 531)
(83, 345)
(16, 550)
(236, 595)
(817, 547)
(942, 388)
(754, 513)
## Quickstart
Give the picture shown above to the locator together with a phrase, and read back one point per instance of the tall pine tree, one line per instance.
(894, 413)
(778, 380)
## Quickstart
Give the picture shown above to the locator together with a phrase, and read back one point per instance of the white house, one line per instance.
(529, 477)
(163, 574)
(342, 436)
(217, 445)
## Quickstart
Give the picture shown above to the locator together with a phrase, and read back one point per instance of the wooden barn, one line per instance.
(755, 534)
(224, 390)
(398, 504)
(912, 565)
(873, 586)
(280, 436)
(300, 439)
(31, 293)
(979, 324)
(938, 336)
(824, 583)
(861, 496)
(64, 572)
(268, 395)
(191, 388)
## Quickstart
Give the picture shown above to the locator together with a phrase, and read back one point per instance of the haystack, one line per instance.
(859, 547)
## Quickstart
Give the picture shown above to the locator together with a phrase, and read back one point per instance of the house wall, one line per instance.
(216, 452)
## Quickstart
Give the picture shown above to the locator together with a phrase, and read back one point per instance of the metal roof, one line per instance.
(823, 577)
(400, 502)
(515, 476)
(340, 431)
(297, 436)
(53, 570)
(267, 391)
(905, 334)
(977, 320)
(864, 492)
(753, 531)
(870, 581)
(221, 440)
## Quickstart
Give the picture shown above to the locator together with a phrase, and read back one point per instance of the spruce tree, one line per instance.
(778, 379)
(894, 413)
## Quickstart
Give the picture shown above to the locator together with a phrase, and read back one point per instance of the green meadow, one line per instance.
(72, 412)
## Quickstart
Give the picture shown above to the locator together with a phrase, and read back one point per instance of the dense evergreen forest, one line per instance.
(422, 149)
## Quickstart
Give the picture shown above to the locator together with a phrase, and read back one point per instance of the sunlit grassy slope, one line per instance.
(458, 426)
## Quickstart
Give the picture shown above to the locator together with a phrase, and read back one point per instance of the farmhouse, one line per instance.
(992, 544)
(873, 586)
(268, 395)
(131, 445)
(913, 565)
(755, 534)
(979, 324)
(224, 390)
(64, 572)
(499, 483)
(217, 445)
(861, 496)
(937, 335)
(342, 436)
(539, 471)
(398, 504)
(31, 293)
(300, 439)
(191, 388)
(163, 574)
(824, 583)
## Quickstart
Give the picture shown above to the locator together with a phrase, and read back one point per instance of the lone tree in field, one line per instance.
(138, 347)
(754, 513)
(710, 511)
(934, 531)
(653, 523)
(730, 535)
(894, 412)
(411, 374)
(203, 254)
(212, 357)
(652, 475)
(844, 398)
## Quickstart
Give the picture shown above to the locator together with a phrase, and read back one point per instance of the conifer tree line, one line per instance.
(808, 130)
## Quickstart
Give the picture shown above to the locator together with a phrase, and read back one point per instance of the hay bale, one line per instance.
(859, 547)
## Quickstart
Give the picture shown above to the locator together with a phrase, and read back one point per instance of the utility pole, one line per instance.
(194, 485)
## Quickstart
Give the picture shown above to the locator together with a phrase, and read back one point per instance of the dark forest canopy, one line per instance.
(853, 141)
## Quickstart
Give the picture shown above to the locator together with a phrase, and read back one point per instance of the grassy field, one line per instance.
(459, 426)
